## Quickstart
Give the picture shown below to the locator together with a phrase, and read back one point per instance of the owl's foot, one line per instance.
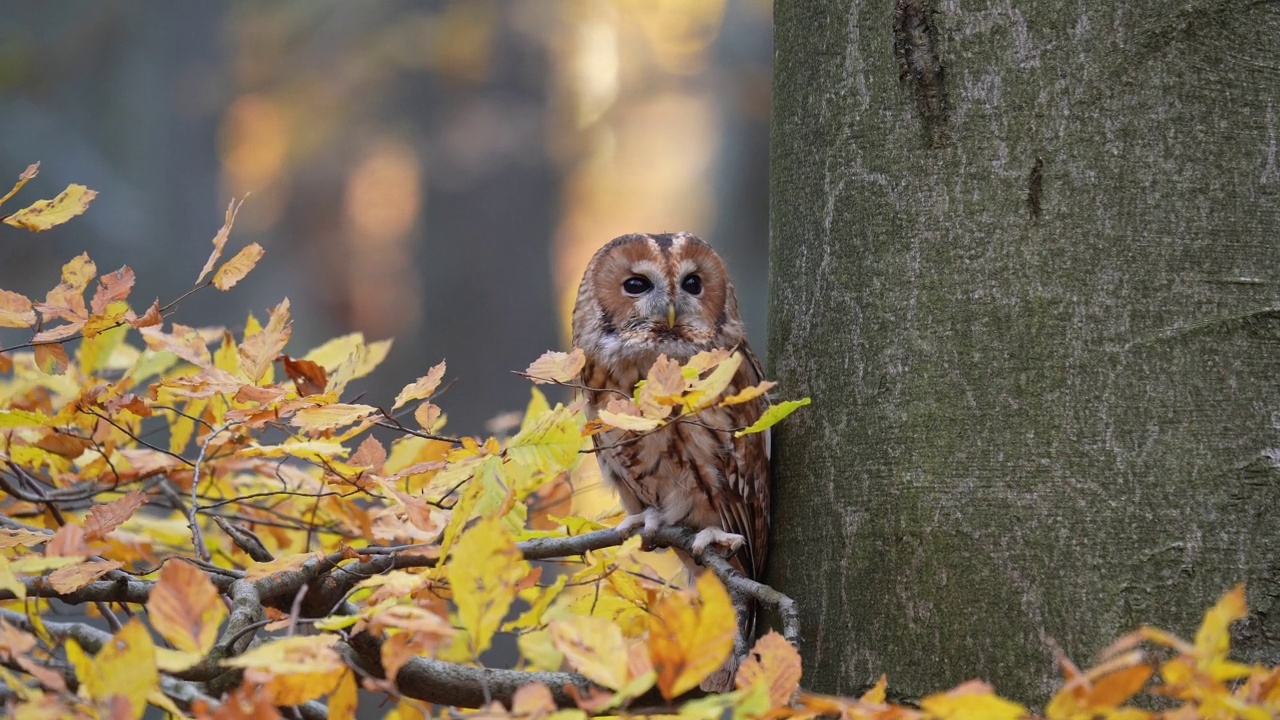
(726, 543)
(647, 522)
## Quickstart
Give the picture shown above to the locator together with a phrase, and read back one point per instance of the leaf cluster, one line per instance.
(257, 541)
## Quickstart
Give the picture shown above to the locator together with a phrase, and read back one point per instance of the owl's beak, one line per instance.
(671, 315)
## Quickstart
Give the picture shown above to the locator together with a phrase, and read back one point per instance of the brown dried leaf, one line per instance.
(111, 288)
(103, 519)
(185, 342)
(150, 318)
(308, 377)
(220, 240)
(72, 578)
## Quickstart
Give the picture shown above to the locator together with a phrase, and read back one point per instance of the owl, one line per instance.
(643, 296)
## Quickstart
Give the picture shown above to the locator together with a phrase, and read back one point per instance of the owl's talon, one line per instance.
(726, 543)
(647, 522)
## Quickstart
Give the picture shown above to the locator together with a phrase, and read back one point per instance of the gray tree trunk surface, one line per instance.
(1026, 260)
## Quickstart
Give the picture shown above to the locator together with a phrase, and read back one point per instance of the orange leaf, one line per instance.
(184, 607)
(775, 663)
(557, 367)
(260, 350)
(112, 287)
(16, 310)
(308, 377)
(422, 387)
(691, 633)
(44, 214)
(67, 541)
(105, 518)
(234, 270)
(74, 577)
(220, 240)
(65, 444)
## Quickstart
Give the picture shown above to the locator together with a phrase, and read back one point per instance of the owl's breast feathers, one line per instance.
(694, 470)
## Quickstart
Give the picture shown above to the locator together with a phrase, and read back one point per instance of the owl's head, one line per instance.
(642, 295)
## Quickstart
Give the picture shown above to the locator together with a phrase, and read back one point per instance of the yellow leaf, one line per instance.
(420, 388)
(557, 367)
(876, 693)
(343, 701)
(774, 663)
(185, 608)
(10, 581)
(124, 667)
(703, 393)
(1213, 639)
(220, 240)
(773, 416)
(549, 443)
(32, 170)
(691, 633)
(280, 564)
(328, 417)
(44, 214)
(16, 310)
(594, 647)
(538, 607)
(748, 394)
(24, 418)
(309, 450)
(295, 669)
(234, 270)
(974, 700)
(484, 568)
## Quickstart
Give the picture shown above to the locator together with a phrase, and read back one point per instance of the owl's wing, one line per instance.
(743, 504)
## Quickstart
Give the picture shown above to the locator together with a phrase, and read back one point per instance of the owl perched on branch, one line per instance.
(642, 297)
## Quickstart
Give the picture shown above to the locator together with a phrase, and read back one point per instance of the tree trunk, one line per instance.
(1026, 261)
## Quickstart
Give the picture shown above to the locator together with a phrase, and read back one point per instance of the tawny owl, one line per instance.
(648, 295)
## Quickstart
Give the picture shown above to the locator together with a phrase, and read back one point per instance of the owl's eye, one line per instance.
(636, 285)
(692, 284)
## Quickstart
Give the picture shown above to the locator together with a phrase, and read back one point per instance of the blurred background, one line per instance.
(438, 172)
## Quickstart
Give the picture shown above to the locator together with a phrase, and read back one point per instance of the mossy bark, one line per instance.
(1026, 261)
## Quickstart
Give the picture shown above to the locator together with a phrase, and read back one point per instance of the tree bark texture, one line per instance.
(1026, 260)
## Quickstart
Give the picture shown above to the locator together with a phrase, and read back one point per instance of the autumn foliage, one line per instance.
(253, 538)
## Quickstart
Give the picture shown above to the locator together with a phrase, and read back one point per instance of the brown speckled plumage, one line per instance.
(693, 474)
